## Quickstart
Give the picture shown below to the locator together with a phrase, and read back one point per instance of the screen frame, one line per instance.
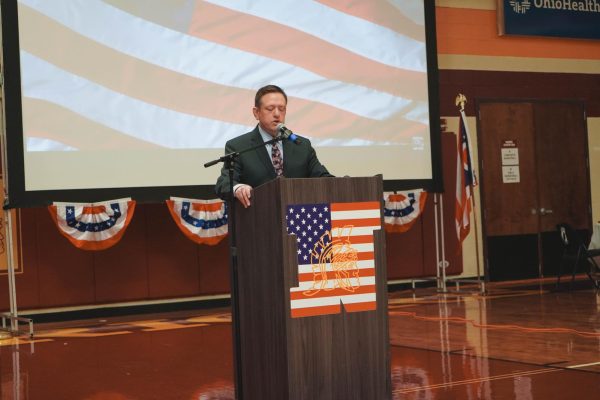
(13, 154)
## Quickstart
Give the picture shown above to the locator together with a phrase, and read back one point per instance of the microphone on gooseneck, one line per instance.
(288, 134)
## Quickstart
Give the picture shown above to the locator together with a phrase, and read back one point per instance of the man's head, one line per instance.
(269, 109)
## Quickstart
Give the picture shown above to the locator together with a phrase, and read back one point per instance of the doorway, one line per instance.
(534, 175)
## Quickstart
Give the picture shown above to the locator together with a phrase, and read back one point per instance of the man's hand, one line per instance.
(243, 193)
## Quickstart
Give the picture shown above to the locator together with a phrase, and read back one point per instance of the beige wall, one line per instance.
(475, 4)
(594, 154)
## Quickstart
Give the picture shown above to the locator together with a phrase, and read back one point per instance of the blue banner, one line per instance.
(557, 18)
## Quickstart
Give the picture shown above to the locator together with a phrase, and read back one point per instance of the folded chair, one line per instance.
(576, 253)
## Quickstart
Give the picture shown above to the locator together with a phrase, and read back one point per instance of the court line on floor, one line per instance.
(582, 365)
(431, 299)
(15, 341)
(464, 352)
(461, 353)
(512, 327)
(477, 380)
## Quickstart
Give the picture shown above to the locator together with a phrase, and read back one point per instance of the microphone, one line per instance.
(287, 134)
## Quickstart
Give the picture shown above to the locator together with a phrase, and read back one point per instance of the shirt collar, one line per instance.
(265, 135)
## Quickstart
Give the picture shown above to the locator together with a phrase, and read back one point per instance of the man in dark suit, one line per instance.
(265, 163)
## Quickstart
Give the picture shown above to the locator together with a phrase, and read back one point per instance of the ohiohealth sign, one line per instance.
(558, 18)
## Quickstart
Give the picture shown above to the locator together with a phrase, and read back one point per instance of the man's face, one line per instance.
(270, 112)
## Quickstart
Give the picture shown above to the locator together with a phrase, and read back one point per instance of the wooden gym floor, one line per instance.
(523, 340)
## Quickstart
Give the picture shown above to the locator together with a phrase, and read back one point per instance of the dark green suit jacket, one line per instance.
(255, 167)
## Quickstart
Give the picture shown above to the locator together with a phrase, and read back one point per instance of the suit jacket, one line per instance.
(255, 167)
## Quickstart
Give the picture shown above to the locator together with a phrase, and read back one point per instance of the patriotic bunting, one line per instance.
(202, 221)
(93, 226)
(98, 226)
(401, 210)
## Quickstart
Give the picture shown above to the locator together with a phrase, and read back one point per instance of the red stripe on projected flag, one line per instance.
(336, 263)
(465, 181)
(93, 226)
(239, 29)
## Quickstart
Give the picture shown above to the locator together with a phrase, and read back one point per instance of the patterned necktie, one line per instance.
(277, 160)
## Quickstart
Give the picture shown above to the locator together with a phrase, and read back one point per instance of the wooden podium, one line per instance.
(300, 342)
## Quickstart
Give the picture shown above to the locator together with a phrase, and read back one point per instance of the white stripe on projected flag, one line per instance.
(300, 15)
(465, 181)
(402, 209)
(202, 221)
(93, 226)
(336, 262)
(56, 86)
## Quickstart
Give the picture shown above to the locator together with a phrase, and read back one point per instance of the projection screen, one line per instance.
(131, 97)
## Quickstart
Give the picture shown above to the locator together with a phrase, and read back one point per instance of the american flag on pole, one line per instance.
(465, 181)
(336, 263)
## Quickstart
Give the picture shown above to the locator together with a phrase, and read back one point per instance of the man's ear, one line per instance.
(255, 112)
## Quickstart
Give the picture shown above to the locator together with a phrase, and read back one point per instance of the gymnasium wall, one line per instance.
(155, 262)
(475, 61)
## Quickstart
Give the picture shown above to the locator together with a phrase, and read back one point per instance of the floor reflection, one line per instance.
(516, 343)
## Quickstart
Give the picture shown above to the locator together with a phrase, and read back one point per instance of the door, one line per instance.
(534, 175)
(562, 167)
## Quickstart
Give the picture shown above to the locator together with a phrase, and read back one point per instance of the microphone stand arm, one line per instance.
(230, 157)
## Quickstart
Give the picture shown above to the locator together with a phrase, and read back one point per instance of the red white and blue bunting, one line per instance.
(98, 226)
(402, 209)
(202, 221)
(93, 226)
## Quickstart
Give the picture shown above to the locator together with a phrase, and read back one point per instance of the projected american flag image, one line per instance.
(153, 89)
(336, 261)
(181, 74)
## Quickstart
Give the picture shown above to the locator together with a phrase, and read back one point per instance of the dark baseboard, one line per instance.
(106, 312)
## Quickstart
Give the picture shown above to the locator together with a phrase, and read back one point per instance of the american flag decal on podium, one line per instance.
(336, 263)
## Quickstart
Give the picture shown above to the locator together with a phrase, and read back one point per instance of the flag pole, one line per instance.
(460, 102)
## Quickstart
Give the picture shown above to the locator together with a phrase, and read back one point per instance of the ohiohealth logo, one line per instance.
(520, 6)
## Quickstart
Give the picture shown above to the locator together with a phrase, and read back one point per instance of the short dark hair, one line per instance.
(266, 90)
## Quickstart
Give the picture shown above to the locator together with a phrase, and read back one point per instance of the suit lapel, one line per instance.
(262, 153)
(288, 151)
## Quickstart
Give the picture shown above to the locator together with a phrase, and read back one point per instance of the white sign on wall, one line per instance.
(509, 153)
(510, 156)
(511, 174)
